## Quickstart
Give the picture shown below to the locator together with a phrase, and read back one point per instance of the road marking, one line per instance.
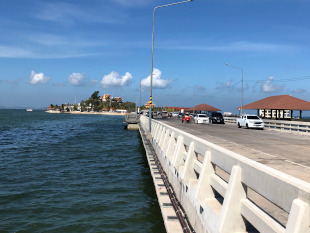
(236, 144)
(264, 153)
(297, 164)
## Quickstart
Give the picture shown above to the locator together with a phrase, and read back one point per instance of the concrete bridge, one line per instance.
(228, 179)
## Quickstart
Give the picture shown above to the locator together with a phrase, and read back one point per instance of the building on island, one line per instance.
(105, 97)
(147, 105)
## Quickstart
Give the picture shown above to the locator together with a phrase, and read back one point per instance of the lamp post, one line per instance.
(241, 81)
(151, 82)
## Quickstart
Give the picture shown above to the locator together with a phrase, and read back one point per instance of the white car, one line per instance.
(250, 121)
(201, 119)
(175, 114)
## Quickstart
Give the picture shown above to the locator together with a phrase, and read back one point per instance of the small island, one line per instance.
(95, 104)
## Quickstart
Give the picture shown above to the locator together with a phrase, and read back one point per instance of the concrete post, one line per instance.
(160, 135)
(178, 153)
(230, 218)
(204, 189)
(155, 131)
(298, 221)
(165, 141)
(171, 147)
(188, 172)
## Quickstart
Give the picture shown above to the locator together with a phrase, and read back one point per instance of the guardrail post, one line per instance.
(156, 137)
(153, 125)
(165, 142)
(160, 135)
(155, 131)
(188, 172)
(204, 189)
(171, 146)
(230, 217)
(298, 221)
(178, 153)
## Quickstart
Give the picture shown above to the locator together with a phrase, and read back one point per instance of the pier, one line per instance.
(232, 180)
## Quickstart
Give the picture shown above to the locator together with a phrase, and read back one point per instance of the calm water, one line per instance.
(73, 173)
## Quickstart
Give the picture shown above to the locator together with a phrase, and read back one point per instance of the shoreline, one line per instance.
(90, 113)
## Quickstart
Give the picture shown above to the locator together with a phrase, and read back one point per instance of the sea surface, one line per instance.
(73, 173)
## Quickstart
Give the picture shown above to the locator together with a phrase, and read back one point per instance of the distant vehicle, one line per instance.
(181, 114)
(202, 119)
(186, 118)
(216, 117)
(29, 110)
(148, 113)
(175, 114)
(164, 114)
(250, 121)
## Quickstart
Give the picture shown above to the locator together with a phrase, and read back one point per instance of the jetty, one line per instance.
(218, 178)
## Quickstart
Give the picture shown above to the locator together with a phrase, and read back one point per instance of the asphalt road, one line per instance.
(287, 152)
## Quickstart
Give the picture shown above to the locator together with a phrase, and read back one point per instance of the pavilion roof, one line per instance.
(204, 107)
(285, 102)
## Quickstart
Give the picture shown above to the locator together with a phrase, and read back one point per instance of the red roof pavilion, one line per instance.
(279, 102)
(204, 107)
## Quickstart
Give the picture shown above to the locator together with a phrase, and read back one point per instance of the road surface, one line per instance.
(287, 152)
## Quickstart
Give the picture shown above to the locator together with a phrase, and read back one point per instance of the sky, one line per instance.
(55, 52)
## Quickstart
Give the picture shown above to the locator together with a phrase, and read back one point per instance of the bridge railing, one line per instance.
(222, 191)
(280, 125)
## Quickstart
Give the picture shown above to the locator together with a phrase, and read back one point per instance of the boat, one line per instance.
(29, 110)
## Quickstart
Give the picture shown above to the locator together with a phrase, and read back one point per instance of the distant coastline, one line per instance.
(90, 113)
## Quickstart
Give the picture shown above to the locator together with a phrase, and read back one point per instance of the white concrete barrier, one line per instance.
(298, 127)
(217, 187)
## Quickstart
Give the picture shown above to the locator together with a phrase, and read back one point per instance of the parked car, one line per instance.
(250, 121)
(216, 117)
(192, 116)
(175, 114)
(180, 115)
(164, 114)
(201, 119)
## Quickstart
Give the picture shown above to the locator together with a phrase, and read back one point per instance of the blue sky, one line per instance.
(53, 52)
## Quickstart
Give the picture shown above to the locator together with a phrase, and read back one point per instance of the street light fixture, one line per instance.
(242, 83)
(151, 82)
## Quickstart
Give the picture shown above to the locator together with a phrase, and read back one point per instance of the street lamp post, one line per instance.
(151, 79)
(241, 81)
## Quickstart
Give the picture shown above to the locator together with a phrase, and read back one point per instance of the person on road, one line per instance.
(186, 118)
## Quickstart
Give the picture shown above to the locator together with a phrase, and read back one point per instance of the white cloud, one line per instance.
(157, 82)
(299, 91)
(269, 86)
(69, 14)
(114, 80)
(76, 79)
(8, 51)
(227, 85)
(246, 46)
(38, 78)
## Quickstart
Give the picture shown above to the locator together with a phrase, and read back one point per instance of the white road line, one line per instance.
(236, 144)
(297, 164)
(264, 153)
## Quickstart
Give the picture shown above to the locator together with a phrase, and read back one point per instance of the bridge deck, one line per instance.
(286, 152)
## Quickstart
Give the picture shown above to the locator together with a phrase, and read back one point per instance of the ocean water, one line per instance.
(73, 173)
